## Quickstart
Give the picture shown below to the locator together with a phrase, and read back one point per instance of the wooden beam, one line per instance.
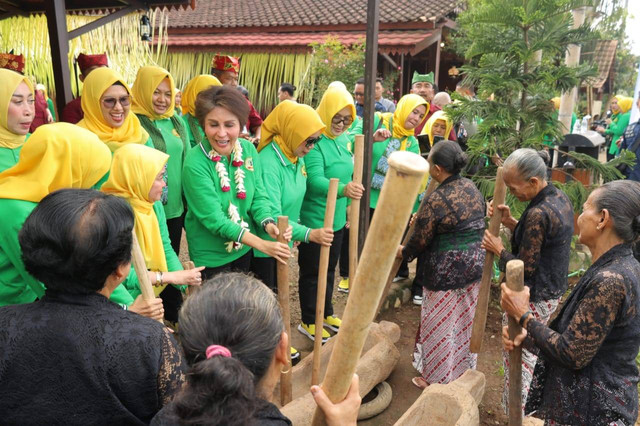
(59, 41)
(102, 21)
(420, 46)
(9, 7)
(370, 72)
(390, 60)
(437, 71)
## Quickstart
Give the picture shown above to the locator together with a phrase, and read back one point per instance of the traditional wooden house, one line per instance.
(272, 39)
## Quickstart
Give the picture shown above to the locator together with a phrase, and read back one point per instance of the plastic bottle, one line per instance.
(576, 127)
(584, 127)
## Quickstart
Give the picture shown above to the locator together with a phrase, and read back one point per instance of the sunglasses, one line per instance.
(358, 94)
(344, 120)
(311, 141)
(111, 102)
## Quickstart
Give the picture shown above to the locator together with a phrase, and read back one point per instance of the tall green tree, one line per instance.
(515, 51)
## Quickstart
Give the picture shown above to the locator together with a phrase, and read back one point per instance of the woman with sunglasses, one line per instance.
(153, 103)
(16, 115)
(222, 182)
(106, 102)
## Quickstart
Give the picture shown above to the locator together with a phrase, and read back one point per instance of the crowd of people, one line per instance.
(136, 162)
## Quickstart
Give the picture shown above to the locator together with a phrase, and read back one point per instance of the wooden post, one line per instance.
(139, 265)
(329, 213)
(354, 217)
(396, 201)
(283, 299)
(515, 282)
(482, 308)
(191, 289)
(370, 73)
(55, 11)
(433, 184)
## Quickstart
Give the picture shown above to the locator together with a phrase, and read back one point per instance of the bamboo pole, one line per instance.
(482, 307)
(354, 217)
(515, 282)
(433, 184)
(192, 289)
(397, 197)
(329, 213)
(140, 267)
(283, 299)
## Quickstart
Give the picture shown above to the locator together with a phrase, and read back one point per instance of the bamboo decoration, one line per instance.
(482, 308)
(433, 184)
(515, 282)
(354, 217)
(140, 267)
(283, 299)
(406, 171)
(329, 213)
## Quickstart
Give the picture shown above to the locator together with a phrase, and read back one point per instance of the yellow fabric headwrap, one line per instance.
(10, 82)
(195, 86)
(428, 127)
(56, 156)
(133, 172)
(333, 101)
(131, 131)
(405, 106)
(624, 103)
(147, 81)
(556, 102)
(289, 124)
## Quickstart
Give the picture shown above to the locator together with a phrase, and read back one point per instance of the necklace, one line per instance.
(221, 169)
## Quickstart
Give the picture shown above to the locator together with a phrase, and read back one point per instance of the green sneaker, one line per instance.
(343, 285)
(333, 323)
(309, 330)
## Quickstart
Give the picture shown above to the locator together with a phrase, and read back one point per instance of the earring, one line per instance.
(287, 370)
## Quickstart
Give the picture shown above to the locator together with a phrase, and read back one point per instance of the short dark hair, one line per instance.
(360, 80)
(75, 238)
(288, 87)
(238, 312)
(622, 199)
(379, 80)
(226, 97)
(449, 156)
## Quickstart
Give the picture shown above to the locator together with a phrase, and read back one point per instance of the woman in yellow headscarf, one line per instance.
(137, 175)
(16, 114)
(153, 103)
(189, 95)
(106, 101)
(438, 125)
(56, 156)
(617, 124)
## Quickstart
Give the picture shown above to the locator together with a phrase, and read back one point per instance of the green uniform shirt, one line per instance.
(9, 157)
(16, 284)
(210, 231)
(191, 123)
(286, 184)
(330, 158)
(619, 123)
(131, 283)
(175, 149)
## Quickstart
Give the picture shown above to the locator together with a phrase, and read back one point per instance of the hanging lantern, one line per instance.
(145, 28)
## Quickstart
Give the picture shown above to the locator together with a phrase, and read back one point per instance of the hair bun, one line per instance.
(544, 154)
(460, 160)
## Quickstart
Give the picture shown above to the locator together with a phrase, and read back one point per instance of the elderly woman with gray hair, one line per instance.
(541, 239)
(587, 373)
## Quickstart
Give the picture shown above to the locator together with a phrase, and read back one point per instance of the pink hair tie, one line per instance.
(214, 350)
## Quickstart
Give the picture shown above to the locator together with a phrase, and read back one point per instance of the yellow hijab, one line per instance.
(289, 124)
(405, 106)
(195, 86)
(95, 85)
(428, 127)
(624, 103)
(133, 172)
(556, 102)
(334, 99)
(10, 82)
(147, 81)
(56, 156)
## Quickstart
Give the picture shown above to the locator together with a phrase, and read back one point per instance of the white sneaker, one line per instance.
(417, 300)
